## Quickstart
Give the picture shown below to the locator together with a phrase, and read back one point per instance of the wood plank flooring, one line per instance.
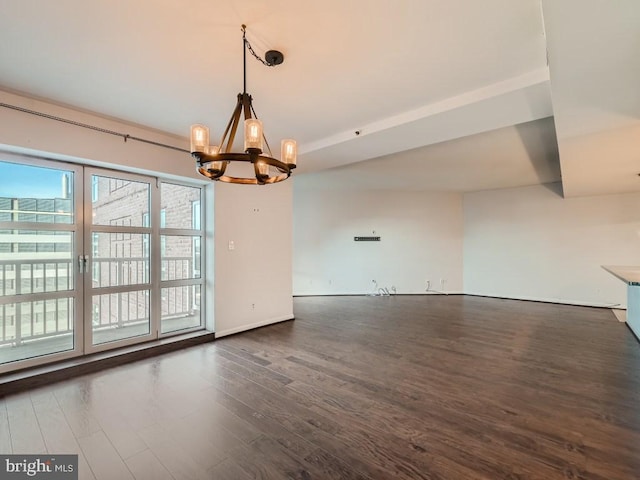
(406, 387)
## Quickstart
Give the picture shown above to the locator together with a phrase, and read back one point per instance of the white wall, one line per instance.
(253, 281)
(261, 265)
(530, 243)
(421, 239)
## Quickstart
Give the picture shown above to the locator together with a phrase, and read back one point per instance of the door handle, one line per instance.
(83, 263)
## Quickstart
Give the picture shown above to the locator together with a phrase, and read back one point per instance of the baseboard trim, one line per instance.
(33, 377)
(252, 326)
(370, 295)
(522, 299)
(575, 303)
(553, 302)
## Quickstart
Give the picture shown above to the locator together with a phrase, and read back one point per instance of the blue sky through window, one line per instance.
(26, 181)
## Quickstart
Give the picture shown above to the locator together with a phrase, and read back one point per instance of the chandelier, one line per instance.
(212, 160)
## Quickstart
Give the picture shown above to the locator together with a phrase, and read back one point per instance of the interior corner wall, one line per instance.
(421, 239)
(253, 256)
(531, 243)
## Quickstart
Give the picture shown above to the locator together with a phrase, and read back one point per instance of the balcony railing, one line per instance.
(22, 277)
(35, 319)
(31, 320)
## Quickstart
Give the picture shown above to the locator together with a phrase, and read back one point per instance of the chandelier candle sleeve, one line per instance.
(252, 135)
(216, 165)
(199, 138)
(263, 168)
(288, 151)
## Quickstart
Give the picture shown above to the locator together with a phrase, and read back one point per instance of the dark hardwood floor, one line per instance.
(407, 387)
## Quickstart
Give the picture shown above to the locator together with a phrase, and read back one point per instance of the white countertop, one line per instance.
(627, 274)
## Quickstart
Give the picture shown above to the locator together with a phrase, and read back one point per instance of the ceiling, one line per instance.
(457, 91)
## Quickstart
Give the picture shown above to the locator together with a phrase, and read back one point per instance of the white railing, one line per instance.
(37, 319)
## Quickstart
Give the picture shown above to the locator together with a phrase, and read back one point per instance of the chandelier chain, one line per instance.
(252, 51)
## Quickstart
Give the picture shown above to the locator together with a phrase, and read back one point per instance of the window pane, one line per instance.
(119, 202)
(33, 329)
(119, 259)
(35, 194)
(180, 257)
(180, 308)
(179, 204)
(35, 262)
(118, 316)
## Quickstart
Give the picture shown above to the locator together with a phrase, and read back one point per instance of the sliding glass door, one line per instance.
(94, 259)
(40, 244)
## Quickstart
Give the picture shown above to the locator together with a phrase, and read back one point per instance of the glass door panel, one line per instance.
(119, 287)
(118, 316)
(180, 308)
(39, 247)
(118, 201)
(181, 206)
(180, 257)
(119, 259)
